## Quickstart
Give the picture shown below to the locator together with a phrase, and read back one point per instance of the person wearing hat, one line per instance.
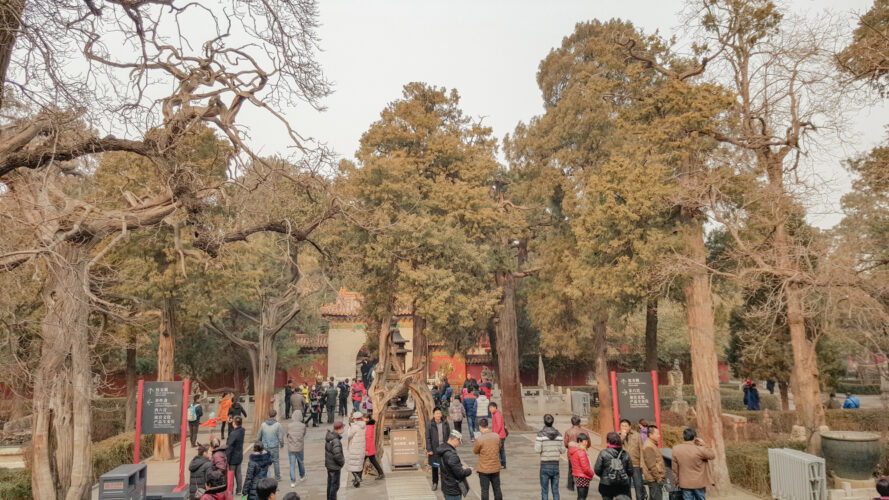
(452, 470)
(356, 448)
(333, 458)
(437, 431)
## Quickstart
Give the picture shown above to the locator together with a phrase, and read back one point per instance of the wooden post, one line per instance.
(138, 443)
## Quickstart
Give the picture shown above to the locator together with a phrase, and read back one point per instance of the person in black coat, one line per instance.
(334, 458)
(452, 470)
(288, 391)
(344, 389)
(437, 431)
(613, 482)
(257, 468)
(198, 468)
(234, 451)
(236, 409)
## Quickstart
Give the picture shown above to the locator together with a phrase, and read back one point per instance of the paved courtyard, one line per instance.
(518, 481)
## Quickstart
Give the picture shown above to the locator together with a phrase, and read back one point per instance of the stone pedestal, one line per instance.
(680, 407)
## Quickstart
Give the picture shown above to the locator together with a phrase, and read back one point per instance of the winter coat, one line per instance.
(370, 443)
(198, 469)
(691, 469)
(753, 399)
(224, 406)
(549, 445)
(333, 451)
(852, 403)
(432, 434)
(297, 402)
(220, 459)
(358, 391)
(653, 468)
(331, 396)
(481, 407)
(355, 456)
(486, 387)
(603, 466)
(237, 410)
(470, 404)
(271, 434)
(344, 391)
(452, 471)
(572, 433)
(487, 447)
(497, 425)
(234, 447)
(633, 446)
(580, 461)
(456, 411)
(296, 433)
(257, 468)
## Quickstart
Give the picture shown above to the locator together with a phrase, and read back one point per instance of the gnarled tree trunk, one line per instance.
(606, 407)
(62, 460)
(651, 334)
(507, 343)
(166, 349)
(704, 368)
(420, 349)
(132, 387)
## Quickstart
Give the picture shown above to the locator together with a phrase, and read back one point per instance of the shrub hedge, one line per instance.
(15, 484)
(748, 464)
(859, 389)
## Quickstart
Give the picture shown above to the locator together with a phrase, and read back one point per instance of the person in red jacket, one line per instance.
(358, 393)
(497, 427)
(370, 445)
(580, 465)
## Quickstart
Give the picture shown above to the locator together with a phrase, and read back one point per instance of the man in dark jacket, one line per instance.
(452, 470)
(344, 396)
(753, 398)
(234, 451)
(288, 391)
(334, 458)
(331, 401)
(437, 432)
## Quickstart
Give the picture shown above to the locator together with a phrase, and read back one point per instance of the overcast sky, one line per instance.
(489, 51)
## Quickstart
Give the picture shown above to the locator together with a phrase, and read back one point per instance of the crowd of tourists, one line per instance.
(629, 465)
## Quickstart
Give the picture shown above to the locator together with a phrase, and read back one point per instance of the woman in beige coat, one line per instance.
(356, 447)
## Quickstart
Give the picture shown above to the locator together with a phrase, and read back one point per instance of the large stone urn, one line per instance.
(851, 454)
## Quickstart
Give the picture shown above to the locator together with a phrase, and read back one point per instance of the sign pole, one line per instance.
(614, 407)
(138, 443)
(183, 437)
(657, 408)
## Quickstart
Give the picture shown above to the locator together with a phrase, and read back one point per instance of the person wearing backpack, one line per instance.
(195, 412)
(614, 468)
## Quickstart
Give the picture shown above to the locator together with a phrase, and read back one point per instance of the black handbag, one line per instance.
(676, 494)
(464, 487)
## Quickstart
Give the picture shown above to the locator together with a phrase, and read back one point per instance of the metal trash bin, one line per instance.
(580, 403)
(127, 482)
(166, 493)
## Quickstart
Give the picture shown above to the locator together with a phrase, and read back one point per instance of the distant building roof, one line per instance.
(348, 305)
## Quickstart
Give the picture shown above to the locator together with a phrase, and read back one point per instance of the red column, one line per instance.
(138, 444)
(186, 389)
